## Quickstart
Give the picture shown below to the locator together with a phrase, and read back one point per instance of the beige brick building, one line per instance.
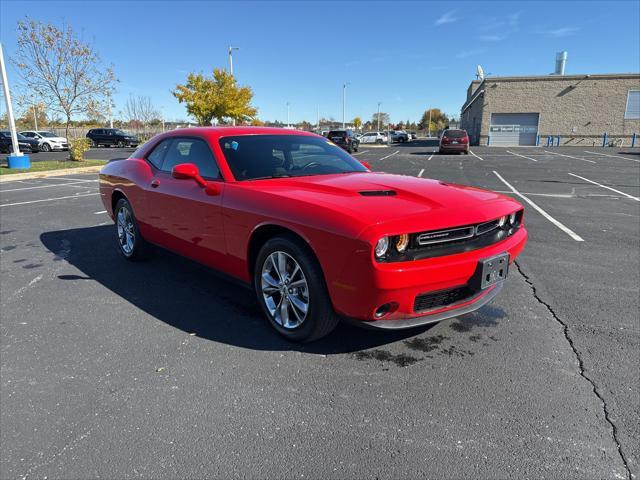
(578, 108)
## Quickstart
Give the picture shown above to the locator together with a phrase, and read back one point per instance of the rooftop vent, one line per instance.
(561, 62)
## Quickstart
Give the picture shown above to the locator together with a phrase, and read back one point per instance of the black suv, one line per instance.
(345, 139)
(7, 147)
(111, 136)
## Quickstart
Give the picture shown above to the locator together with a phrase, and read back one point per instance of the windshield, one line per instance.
(47, 134)
(252, 157)
(119, 132)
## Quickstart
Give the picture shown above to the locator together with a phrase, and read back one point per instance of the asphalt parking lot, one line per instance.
(164, 370)
(102, 153)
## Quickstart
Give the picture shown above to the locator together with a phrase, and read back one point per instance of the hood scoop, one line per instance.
(378, 193)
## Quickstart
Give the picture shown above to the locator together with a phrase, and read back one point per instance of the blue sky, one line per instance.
(408, 55)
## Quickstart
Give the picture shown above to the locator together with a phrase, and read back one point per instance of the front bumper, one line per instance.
(437, 315)
(364, 286)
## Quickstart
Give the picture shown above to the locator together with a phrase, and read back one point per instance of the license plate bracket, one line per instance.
(491, 271)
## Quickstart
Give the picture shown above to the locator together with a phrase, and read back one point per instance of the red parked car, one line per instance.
(454, 141)
(317, 235)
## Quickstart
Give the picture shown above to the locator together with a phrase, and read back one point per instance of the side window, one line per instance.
(157, 154)
(191, 150)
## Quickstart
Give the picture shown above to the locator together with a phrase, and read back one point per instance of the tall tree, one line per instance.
(384, 119)
(140, 110)
(216, 97)
(357, 123)
(438, 120)
(61, 70)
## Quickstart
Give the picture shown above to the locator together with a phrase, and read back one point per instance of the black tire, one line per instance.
(466, 152)
(350, 149)
(379, 141)
(320, 318)
(45, 147)
(95, 144)
(140, 249)
(120, 144)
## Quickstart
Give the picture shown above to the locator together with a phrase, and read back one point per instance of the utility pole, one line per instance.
(379, 103)
(344, 104)
(429, 122)
(35, 117)
(231, 49)
(7, 98)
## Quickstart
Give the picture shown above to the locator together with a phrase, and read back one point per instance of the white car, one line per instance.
(48, 141)
(373, 137)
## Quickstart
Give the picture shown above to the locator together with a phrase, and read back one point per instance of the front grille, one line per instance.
(441, 236)
(442, 298)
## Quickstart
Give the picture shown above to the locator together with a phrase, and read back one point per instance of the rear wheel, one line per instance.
(130, 243)
(290, 289)
(379, 141)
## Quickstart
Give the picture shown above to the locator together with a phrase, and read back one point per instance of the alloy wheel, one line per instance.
(285, 290)
(126, 232)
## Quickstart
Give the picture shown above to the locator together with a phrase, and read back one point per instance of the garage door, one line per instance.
(511, 129)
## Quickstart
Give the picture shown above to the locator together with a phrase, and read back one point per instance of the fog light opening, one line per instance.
(385, 309)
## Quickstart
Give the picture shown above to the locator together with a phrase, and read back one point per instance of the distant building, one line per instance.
(579, 108)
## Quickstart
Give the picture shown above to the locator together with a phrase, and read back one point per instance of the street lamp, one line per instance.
(379, 103)
(344, 103)
(288, 125)
(231, 49)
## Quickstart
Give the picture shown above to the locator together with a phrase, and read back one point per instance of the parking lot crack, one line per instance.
(581, 368)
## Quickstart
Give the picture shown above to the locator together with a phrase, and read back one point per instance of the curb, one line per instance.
(48, 173)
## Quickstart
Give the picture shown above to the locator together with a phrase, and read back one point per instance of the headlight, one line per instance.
(512, 219)
(382, 246)
(502, 221)
(402, 242)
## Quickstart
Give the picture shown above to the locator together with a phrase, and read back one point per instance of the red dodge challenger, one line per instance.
(317, 235)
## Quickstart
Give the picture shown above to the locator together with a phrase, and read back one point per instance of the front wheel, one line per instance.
(290, 289)
(120, 144)
(130, 243)
(45, 147)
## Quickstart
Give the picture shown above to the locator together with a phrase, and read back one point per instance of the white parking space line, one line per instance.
(430, 157)
(604, 186)
(553, 195)
(569, 156)
(562, 227)
(101, 211)
(613, 156)
(47, 186)
(71, 179)
(523, 156)
(360, 153)
(391, 155)
(479, 158)
(421, 172)
(48, 199)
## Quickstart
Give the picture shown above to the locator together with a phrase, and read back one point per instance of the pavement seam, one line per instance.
(581, 369)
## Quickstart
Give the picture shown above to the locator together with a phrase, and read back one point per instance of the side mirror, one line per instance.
(366, 164)
(185, 171)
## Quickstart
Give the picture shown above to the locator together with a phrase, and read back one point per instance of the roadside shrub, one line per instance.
(77, 147)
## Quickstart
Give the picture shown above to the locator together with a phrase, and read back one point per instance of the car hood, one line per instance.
(395, 203)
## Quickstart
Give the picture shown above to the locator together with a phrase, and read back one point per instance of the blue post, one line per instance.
(21, 161)
(558, 141)
(488, 140)
(549, 141)
(633, 140)
(537, 140)
(604, 139)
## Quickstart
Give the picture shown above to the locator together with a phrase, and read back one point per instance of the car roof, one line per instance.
(235, 131)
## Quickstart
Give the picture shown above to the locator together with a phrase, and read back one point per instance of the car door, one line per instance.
(184, 216)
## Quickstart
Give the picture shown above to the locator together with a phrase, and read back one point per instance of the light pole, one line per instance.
(231, 49)
(429, 122)
(344, 104)
(288, 125)
(379, 103)
(35, 117)
(7, 98)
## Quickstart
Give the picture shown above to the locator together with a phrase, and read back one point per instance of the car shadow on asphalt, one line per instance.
(191, 297)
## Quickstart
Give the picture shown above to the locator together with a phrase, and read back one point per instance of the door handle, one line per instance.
(155, 183)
